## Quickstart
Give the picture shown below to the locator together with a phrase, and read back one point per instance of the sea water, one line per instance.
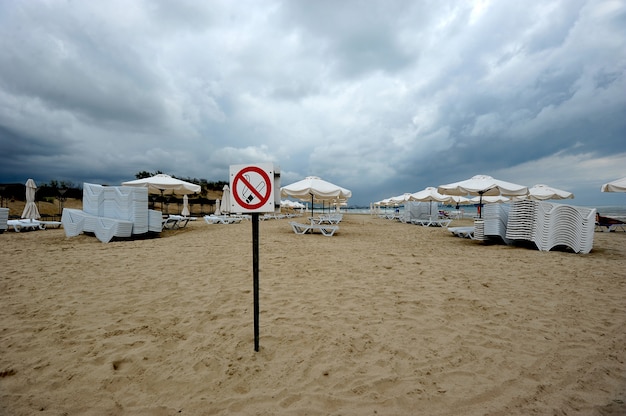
(618, 212)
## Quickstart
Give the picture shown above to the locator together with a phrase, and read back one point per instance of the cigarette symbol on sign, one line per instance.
(250, 195)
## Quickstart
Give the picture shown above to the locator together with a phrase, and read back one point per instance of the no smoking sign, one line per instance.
(254, 188)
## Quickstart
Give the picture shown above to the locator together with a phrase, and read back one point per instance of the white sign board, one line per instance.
(254, 188)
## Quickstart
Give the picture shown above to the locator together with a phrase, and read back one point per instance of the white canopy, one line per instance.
(430, 194)
(618, 185)
(483, 185)
(491, 199)
(314, 187)
(165, 185)
(459, 200)
(400, 199)
(542, 192)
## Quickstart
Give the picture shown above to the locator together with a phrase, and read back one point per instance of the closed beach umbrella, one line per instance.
(30, 209)
(217, 207)
(226, 199)
(618, 185)
(185, 211)
(483, 185)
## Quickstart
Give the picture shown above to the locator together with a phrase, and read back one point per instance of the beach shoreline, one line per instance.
(382, 318)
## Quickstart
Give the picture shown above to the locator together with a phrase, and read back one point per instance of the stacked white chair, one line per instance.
(107, 228)
(495, 217)
(4, 217)
(129, 204)
(479, 230)
(73, 221)
(93, 199)
(112, 211)
(551, 225)
(521, 222)
(155, 221)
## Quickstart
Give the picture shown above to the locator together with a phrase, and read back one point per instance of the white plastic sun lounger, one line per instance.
(221, 219)
(18, 225)
(327, 230)
(328, 219)
(431, 222)
(464, 232)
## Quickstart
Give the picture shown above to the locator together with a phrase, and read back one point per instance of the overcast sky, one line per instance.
(380, 97)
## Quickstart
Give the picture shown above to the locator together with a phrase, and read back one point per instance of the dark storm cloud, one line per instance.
(381, 97)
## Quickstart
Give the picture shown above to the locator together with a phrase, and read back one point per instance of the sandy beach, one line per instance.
(383, 318)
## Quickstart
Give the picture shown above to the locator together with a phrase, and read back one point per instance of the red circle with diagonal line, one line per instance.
(263, 195)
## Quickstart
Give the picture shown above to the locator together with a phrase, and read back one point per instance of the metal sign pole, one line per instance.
(255, 276)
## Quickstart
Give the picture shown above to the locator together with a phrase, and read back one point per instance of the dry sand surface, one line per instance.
(383, 318)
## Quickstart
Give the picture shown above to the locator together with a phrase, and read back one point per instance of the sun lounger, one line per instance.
(266, 217)
(327, 230)
(463, 232)
(51, 224)
(327, 219)
(24, 224)
(170, 223)
(221, 219)
(431, 222)
(174, 222)
(243, 217)
(609, 224)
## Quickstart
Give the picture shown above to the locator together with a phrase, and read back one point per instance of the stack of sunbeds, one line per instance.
(495, 217)
(4, 217)
(112, 211)
(550, 225)
(522, 220)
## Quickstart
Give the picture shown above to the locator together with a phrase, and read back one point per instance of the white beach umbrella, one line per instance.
(618, 185)
(165, 185)
(185, 211)
(384, 202)
(483, 185)
(401, 199)
(430, 194)
(492, 199)
(315, 189)
(542, 192)
(30, 209)
(460, 200)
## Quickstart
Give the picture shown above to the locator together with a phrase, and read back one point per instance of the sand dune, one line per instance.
(383, 318)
